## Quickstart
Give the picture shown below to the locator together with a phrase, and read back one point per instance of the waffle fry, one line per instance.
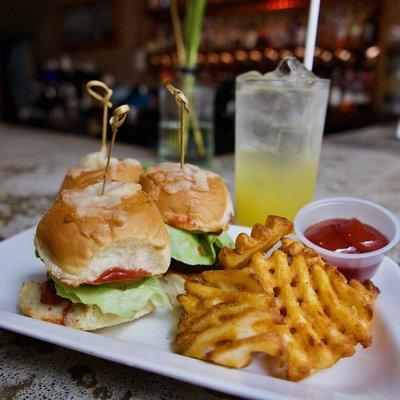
(325, 316)
(227, 329)
(292, 306)
(263, 238)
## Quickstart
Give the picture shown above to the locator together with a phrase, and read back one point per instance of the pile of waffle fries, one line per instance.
(290, 305)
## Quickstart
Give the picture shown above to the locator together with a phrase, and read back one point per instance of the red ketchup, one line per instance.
(350, 236)
(120, 274)
(48, 293)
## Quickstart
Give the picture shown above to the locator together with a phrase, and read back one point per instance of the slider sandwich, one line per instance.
(197, 208)
(91, 170)
(104, 255)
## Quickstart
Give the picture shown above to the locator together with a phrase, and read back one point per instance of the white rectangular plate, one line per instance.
(148, 342)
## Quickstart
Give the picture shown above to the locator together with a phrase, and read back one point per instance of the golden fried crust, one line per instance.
(291, 305)
(191, 208)
(125, 172)
(262, 238)
(293, 248)
(70, 240)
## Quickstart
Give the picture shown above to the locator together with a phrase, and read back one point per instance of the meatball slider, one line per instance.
(104, 255)
(197, 208)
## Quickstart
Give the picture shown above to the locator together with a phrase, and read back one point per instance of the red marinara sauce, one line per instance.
(117, 274)
(346, 236)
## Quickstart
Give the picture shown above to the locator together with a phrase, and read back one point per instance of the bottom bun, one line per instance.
(78, 316)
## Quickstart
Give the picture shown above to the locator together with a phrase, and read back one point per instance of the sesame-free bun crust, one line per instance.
(190, 198)
(78, 316)
(126, 171)
(79, 241)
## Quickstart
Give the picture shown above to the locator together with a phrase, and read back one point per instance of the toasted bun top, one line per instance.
(189, 198)
(91, 169)
(85, 235)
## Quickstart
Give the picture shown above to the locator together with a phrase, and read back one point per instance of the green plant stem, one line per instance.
(193, 24)
(187, 59)
(176, 24)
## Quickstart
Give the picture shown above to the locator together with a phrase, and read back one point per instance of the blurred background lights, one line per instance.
(285, 53)
(226, 57)
(372, 52)
(213, 58)
(255, 55)
(299, 52)
(201, 58)
(343, 54)
(241, 55)
(271, 53)
(326, 56)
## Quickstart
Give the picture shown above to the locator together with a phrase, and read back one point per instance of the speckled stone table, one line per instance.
(363, 163)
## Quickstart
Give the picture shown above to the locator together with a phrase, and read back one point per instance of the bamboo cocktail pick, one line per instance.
(116, 121)
(183, 104)
(105, 100)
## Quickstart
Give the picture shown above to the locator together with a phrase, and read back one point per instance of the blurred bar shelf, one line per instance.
(243, 35)
(358, 48)
(235, 7)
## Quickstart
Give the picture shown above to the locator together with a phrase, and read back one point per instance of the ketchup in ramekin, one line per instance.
(352, 234)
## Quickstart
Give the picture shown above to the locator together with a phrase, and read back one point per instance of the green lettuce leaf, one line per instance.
(116, 299)
(197, 249)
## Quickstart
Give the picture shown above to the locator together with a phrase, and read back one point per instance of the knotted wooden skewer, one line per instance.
(105, 100)
(118, 118)
(183, 104)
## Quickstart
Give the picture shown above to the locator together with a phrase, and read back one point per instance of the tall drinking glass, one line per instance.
(280, 119)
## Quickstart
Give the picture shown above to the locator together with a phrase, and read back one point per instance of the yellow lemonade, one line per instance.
(279, 121)
(271, 183)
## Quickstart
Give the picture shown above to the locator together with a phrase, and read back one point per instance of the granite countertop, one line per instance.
(362, 163)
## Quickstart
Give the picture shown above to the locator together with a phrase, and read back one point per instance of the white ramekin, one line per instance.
(361, 265)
